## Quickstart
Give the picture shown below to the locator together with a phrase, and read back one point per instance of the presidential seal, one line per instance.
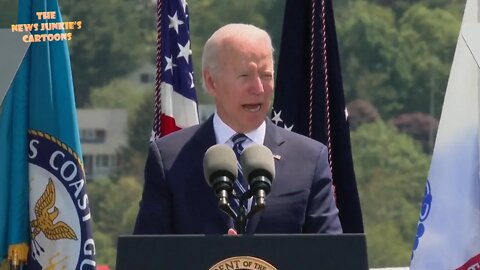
(242, 263)
(60, 222)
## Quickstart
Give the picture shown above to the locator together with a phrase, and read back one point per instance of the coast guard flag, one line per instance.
(448, 232)
(13, 163)
(42, 98)
(307, 103)
(175, 97)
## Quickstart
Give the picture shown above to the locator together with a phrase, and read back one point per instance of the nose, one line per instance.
(257, 85)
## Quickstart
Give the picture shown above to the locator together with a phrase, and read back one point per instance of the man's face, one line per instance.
(243, 84)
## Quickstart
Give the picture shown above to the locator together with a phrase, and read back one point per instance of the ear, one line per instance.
(209, 82)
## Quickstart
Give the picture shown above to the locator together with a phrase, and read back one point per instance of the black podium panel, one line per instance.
(285, 252)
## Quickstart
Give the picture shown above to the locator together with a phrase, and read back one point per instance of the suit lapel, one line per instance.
(205, 136)
(203, 139)
(273, 140)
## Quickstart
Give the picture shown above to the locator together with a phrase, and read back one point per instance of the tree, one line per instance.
(361, 112)
(116, 37)
(399, 63)
(368, 41)
(117, 94)
(139, 132)
(391, 170)
(420, 126)
(427, 43)
(114, 206)
(399, 7)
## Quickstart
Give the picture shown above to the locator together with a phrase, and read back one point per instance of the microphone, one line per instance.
(220, 170)
(259, 169)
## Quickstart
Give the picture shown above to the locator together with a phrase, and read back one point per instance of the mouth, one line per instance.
(252, 107)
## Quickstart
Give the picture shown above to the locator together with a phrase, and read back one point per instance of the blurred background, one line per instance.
(395, 58)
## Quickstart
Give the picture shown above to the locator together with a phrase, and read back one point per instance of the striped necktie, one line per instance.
(240, 185)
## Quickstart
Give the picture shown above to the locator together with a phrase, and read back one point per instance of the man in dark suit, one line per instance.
(237, 67)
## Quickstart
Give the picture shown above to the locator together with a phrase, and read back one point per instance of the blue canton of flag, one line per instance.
(177, 102)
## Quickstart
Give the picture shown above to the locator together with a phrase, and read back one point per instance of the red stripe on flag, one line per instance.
(168, 125)
(473, 263)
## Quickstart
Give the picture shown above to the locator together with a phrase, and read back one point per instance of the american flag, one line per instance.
(175, 97)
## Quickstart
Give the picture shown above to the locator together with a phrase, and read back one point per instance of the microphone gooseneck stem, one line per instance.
(222, 196)
(241, 220)
(227, 209)
(260, 198)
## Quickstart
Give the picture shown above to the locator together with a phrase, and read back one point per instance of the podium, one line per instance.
(224, 252)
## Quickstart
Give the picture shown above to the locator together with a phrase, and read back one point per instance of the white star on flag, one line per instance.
(184, 4)
(276, 118)
(289, 128)
(174, 22)
(170, 64)
(184, 51)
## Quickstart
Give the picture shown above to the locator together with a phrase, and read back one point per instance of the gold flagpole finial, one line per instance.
(17, 255)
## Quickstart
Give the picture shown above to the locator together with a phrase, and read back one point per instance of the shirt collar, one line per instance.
(223, 132)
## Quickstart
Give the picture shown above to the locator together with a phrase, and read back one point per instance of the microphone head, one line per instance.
(219, 160)
(257, 160)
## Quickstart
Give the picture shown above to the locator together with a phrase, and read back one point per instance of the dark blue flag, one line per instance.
(309, 96)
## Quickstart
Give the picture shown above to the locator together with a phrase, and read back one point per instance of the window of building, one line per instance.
(100, 135)
(92, 135)
(101, 161)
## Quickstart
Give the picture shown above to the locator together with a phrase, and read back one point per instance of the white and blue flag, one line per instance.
(448, 232)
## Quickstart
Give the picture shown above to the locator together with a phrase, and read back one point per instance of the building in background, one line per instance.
(102, 135)
(143, 77)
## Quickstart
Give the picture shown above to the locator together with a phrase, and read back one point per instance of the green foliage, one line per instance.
(400, 7)
(369, 42)
(115, 39)
(139, 132)
(395, 254)
(114, 205)
(427, 55)
(105, 246)
(391, 170)
(140, 127)
(117, 94)
(399, 61)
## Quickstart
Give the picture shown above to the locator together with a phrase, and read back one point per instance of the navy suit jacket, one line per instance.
(177, 200)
